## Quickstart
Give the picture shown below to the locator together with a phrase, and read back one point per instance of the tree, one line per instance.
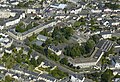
(67, 32)
(33, 62)
(89, 46)
(107, 76)
(58, 73)
(39, 60)
(8, 79)
(53, 57)
(74, 50)
(64, 61)
(44, 32)
(96, 38)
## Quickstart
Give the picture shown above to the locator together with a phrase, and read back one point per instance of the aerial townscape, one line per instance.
(59, 40)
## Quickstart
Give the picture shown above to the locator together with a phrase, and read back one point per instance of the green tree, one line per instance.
(8, 79)
(107, 76)
(58, 73)
(89, 45)
(64, 61)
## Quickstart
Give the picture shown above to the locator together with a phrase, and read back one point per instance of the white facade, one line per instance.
(96, 11)
(7, 45)
(31, 11)
(13, 22)
(6, 14)
(76, 11)
(116, 23)
(1, 27)
(73, 1)
(58, 53)
(8, 51)
(15, 3)
(105, 36)
(1, 54)
(84, 65)
(74, 79)
(5, 42)
(117, 65)
(116, 62)
(24, 36)
(59, 6)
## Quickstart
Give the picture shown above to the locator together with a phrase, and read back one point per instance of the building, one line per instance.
(6, 14)
(16, 16)
(31, 11)
(74, 1)
(1, 52)
(96, 11)
(79, 38)
(106, 35)
(41, 38)
(5, 41)
(116, 61)
(55, 49)
(30, 32)
(58, 6)
(5, 44)
(99, 50)
(76, 78)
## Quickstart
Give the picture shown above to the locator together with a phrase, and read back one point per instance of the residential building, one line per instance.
(55, 49)
(58, 6)
(106, 35)
(41, 38)
(116, 61)
(99, 50)
(76, 78)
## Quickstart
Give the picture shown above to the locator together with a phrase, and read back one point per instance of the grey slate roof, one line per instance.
(42, 37)
(38, 43)
(105, 45)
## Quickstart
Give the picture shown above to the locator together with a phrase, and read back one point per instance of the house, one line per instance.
(117, 80)
(16, 19)
(8, 50)
(76, 11)
(79, 37)
(43, 65)
(1, 52)
(47, 78)
(106, 35)
(16, 16)
(31, 11)
(96, 11)
(116, 61)
(74, 1)
(58, 6)
(41, 38)
(106, 23)
(5, 41)
(6, 14)
(77, 78)
(13, 2)
(55, 49)
(38, 42)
